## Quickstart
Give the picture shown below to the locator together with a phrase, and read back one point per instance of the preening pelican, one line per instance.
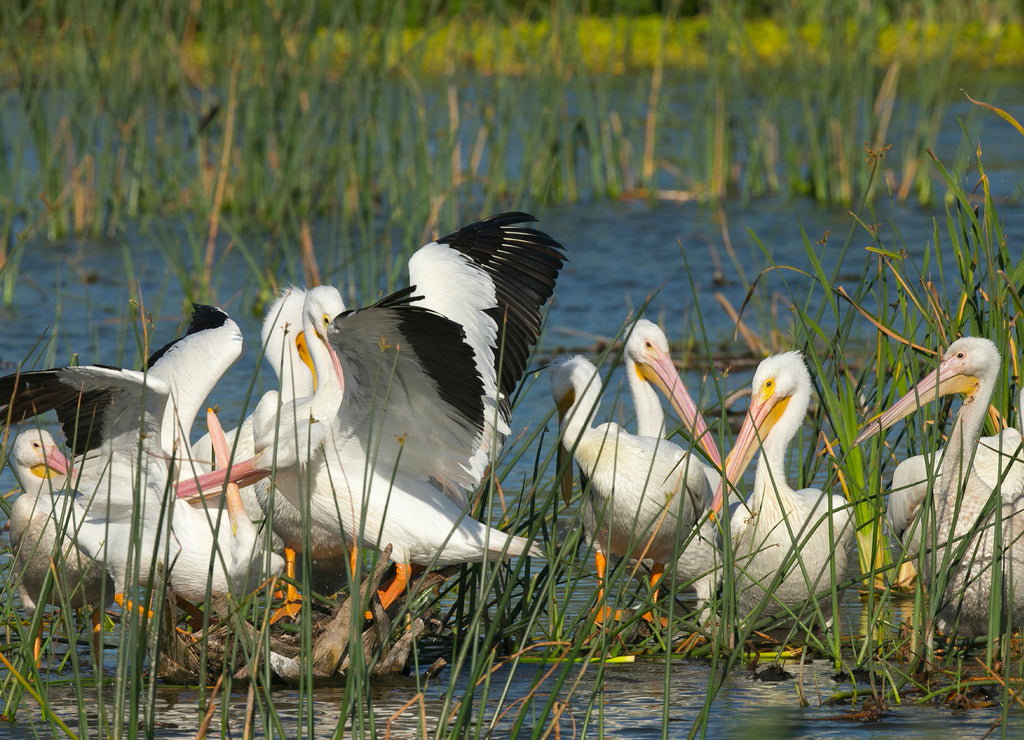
(643, 494)
(37, 538)
(974, 533)
(788, 545)
(649, 366)
(129, 431)
(413, 400)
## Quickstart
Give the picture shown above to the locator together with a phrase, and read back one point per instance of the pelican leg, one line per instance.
(403, 572)
(97, 634)
(37, 644)
(289, 570)
(127, 605)
(603, 610)
(292, 600)
(657, 572)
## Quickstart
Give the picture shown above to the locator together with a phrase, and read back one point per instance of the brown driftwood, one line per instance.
(189, 657)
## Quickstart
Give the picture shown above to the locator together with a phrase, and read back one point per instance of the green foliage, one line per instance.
(342, 120)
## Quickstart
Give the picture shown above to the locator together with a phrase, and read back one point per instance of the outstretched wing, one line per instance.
(110, 417)
(413, 393)
(492, 278)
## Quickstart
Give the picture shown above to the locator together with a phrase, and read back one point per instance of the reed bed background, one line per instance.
(270, 131)
(273, 128)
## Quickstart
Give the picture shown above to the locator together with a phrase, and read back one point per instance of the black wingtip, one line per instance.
(402, 297)
(204, 318)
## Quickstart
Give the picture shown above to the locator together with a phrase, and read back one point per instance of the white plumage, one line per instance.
(974, 534)
(410, 405)
(129, 432)
(37, 533)
(998, 461)
(282, 338)
(649, 366)
(788, 545)
(643, 495)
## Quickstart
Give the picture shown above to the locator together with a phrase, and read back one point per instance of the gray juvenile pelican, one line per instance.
(40, 544)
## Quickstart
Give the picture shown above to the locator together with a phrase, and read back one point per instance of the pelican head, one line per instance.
(781, 391)
(282, 330)
(36, 459)
(322, 305)
(969, 364)
(647, 354)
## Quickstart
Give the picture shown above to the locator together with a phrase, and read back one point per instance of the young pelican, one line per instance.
(40, 548)
(643, 495)
(788, 545)
(964, 547)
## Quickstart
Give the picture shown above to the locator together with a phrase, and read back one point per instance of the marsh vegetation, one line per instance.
(155, 155)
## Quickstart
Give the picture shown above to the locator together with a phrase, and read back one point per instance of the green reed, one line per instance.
(381, 127)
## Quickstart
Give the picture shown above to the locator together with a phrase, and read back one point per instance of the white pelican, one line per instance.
(644, 495)
(191, 366)
(998, 461)
(649, 366)
(788, 545)
(128, 431)
(39, 546)
(413, 400)
(963, 547)
(284, 349)
(369, 504)
(491, 278)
